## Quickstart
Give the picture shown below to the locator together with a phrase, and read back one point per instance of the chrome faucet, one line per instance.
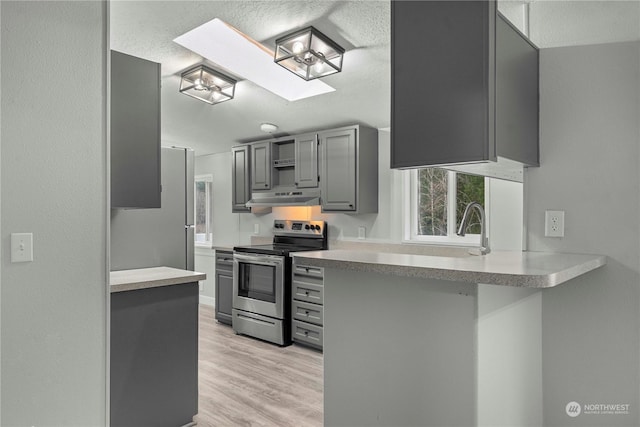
(484, 242)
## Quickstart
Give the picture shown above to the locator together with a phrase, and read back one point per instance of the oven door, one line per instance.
(258, 284)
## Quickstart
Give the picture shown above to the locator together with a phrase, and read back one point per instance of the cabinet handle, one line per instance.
(306, 313)
(295, 183)
(306, 293)
(350, 205)
(266, 185)
(306, 333)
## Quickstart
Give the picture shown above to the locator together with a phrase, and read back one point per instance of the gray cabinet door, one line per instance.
(261, 166)
(440, 73)
(154, 356)
(240, 181)
(135, 132)
(224, 286)
(338, 174)
(306, 153)
(224, 296)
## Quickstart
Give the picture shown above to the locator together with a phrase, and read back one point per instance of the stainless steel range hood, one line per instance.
(264, 199)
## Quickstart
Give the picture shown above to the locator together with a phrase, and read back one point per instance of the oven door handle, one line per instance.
(259, 259)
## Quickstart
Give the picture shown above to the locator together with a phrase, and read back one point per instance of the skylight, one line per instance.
(233, 50)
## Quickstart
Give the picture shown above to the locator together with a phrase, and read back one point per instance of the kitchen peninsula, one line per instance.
(419, 333)
(154, 346)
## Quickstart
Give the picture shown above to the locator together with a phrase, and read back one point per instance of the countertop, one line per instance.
(507, 268)
(144, 278)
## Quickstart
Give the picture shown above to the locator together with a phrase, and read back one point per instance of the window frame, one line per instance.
(410, 216)
(208, 180)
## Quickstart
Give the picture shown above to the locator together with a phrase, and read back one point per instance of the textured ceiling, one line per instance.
(146, 29)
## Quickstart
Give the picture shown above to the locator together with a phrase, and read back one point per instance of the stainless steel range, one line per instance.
(262, 279)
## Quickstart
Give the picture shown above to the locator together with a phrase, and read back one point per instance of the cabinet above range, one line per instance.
(337, 169)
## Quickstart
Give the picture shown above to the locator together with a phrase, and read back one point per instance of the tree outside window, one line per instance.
(438, 200)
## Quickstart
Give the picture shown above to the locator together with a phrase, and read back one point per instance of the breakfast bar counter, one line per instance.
(436, 340)
(508, 268)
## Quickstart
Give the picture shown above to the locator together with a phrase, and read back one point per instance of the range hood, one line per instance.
(265, 199)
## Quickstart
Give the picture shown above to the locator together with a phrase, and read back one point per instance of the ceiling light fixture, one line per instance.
(207, 85)
(233, 50)
(309, 54)
(268, 127)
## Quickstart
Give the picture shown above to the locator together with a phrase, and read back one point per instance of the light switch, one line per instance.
(21, 247)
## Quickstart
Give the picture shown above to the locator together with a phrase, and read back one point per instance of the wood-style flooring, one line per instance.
(247, 382)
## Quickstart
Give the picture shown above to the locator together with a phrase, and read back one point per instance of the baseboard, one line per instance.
(207, 300)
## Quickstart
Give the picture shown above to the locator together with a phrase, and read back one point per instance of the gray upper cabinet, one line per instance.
(240, 178)
(349, 170)
(135, 132)
(464, 85)
(261, 166)
(306, 158)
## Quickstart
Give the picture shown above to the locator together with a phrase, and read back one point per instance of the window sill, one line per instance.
(471, 240)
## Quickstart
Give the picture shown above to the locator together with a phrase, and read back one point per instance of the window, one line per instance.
(437, 199)
(204, 209)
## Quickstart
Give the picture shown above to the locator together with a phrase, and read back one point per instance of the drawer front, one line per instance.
(312, 313)
(303, 270)
(308, 292)
(307, 333)
(224, 261)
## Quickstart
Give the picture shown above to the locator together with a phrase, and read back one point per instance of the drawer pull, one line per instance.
(306, 313)
(306, 293)
(306, 333)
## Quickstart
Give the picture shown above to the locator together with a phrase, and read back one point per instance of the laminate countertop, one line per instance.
(144, 278)
(507, 268)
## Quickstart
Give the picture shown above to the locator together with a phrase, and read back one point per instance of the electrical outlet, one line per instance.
(554, 223)
(256, 228)
(362, 232)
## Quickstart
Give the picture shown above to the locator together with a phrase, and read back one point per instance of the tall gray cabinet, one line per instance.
(306, 161)
(240, 178)
(464, 85)
(349, 169)
(261, 166)
(135, 132)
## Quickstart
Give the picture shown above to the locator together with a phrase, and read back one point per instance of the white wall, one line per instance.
(53, 324)
(589, 146)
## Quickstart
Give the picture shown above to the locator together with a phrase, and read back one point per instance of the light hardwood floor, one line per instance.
(247, 382)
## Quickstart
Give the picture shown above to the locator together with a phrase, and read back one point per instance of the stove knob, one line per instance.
(306, 227)
(318, 227)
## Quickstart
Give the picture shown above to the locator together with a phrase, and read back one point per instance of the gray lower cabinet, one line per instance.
(224, 286)
(307, 305)
(240, 178)
(135, 132)
(154, 356)
(349, 170)
(464, 86)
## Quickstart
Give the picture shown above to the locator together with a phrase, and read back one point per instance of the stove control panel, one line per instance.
(299, 228)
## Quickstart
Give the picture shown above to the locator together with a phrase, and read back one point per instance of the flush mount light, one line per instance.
(309, 54)
(235, 51)
(268, 127)
(207, 85)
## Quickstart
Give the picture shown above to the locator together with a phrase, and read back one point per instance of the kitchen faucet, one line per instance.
(484, 242)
